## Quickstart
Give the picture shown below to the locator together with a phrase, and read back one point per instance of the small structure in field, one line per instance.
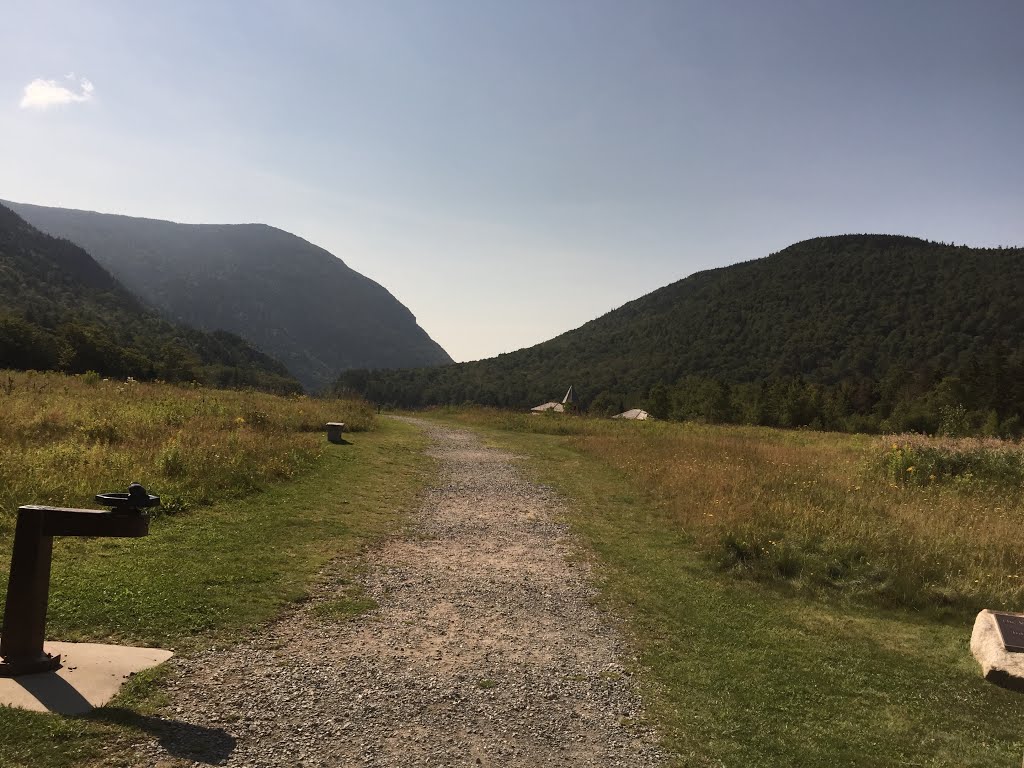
(335, 430)
(548, 407)
(570, 397)
(637, 414)
(568, 404)
(69, 678)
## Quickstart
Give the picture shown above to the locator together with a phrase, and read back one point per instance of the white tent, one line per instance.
(553, 407)
(634, 413)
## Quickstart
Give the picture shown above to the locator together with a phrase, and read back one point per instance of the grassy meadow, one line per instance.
(255, 504)
(796, 598)
(910, 521)
(64, 439)
(793, 597)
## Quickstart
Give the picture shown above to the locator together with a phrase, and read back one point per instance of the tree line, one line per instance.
(61, 311)
(852, 332)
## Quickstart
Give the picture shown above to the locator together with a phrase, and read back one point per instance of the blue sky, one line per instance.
(510, 170)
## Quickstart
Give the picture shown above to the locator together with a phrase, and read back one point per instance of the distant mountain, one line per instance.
(291, 299)
(60, 310)
(872, 320)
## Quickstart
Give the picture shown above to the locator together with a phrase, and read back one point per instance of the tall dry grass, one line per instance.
(910, 520)
(65, 438)
(823, 511)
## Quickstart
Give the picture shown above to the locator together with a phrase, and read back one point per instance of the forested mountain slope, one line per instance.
(870, 321)
(288, 297)
(60, 310)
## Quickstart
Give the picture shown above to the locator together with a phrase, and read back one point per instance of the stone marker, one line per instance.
(994, 632)
(1011, 630)
(334, 430)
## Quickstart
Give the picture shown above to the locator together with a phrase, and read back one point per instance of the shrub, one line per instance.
(963, 462)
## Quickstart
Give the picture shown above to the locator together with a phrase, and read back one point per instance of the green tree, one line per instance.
(658, 401)
(605, 404)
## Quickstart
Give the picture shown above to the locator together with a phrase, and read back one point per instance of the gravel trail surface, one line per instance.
(486, 649)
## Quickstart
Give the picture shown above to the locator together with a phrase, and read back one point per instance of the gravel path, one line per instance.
(486, 650)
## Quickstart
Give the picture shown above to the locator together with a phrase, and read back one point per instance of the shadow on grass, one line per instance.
(210, 746)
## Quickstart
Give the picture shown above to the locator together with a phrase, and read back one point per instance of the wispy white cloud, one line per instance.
(43, 94)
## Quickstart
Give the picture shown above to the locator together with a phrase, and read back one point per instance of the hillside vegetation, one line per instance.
(60, 310)
(289, 298)
(857, 332)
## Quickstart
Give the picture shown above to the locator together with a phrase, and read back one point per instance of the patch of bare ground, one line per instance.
(486, 649)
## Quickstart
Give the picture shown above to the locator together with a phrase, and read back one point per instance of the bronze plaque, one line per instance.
(1011, 630)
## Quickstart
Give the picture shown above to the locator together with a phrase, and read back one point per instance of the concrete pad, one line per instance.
(90, 677)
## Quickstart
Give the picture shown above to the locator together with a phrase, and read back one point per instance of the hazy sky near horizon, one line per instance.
(511, 170)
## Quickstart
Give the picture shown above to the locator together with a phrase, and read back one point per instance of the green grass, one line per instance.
(969, 464)
(64, 439)
(351, 603)
(823, 513)
(212, 575)
(746, 673)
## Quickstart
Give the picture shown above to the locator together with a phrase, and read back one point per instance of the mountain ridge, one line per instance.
(857, 313)
(63, 311)
(291, 298)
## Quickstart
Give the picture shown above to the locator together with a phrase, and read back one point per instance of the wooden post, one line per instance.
(28, 591)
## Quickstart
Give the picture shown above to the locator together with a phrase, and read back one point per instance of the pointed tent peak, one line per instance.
(570, 396)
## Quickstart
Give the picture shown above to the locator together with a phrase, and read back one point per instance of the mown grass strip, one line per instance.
(210, 576)
(741, 673)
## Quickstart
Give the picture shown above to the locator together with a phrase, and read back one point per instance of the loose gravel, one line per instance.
(486, 649)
